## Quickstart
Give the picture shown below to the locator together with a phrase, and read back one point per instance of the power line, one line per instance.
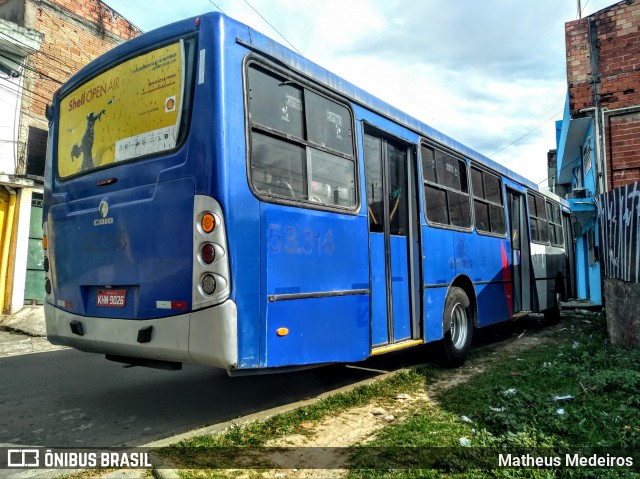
(274, 28)
(525, 135)
(65, 34)
(215, 5)
(571, 163)
(583, 8)
(32, 94)
(41, 53)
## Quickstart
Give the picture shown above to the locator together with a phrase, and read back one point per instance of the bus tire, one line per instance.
(458, 328)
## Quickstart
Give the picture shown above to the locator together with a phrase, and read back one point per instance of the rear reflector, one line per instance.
(171, 305)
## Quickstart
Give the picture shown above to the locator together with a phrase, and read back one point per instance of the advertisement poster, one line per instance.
(129, 111)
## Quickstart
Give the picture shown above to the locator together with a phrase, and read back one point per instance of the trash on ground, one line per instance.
(562, 398)
(465, 442)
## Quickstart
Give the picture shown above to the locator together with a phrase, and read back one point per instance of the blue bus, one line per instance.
(212, 197)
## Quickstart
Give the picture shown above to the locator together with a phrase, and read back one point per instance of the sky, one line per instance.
(490, 74)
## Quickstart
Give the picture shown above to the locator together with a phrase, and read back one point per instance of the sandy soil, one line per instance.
(359, 425)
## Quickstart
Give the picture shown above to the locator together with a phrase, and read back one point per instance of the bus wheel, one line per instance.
(458, 327)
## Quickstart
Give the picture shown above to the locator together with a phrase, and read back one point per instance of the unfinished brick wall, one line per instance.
(603, 69)
(75, 32)
(624, 147)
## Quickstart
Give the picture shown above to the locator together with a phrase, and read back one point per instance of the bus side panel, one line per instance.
(434, 299)
(483, 259)
(321, 330)
(492, 303)
(314, 252)
(438, 271)
(223, 87)
(438, 254)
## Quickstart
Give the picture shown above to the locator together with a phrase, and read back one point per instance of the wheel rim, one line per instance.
(459, 326)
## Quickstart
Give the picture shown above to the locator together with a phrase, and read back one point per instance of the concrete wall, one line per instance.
(10, 98)
(619, 218)
(622, 300)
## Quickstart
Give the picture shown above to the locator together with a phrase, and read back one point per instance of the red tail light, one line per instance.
(208, 253)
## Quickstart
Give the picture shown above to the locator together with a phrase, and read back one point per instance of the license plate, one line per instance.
(111, 298)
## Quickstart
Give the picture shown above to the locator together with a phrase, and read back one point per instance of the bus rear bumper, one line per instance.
(208, 337)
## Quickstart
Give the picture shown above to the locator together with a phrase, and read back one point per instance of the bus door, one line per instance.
(520, 252)
(393, 239)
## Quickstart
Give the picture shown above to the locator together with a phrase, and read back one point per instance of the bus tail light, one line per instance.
(208, 222)
(208, 253)
(211, 273)
(208, 284)
(48, 287)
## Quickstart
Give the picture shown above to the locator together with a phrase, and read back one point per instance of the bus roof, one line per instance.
(260, 43)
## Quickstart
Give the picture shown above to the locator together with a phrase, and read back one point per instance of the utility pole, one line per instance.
(579, 10)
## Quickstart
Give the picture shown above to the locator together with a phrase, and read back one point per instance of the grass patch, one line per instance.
(236, 442)
(580, 392)
(577, 391)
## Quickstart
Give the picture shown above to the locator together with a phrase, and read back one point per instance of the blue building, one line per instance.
(576, 177)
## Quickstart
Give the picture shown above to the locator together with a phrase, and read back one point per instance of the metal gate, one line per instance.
(34, 286)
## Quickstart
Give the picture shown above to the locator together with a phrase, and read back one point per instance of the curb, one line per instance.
(169, 473)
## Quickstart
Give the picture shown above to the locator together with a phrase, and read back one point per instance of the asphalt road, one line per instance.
(67, 398)
(72, 399)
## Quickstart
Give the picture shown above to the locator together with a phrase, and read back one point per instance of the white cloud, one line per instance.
(485, 73)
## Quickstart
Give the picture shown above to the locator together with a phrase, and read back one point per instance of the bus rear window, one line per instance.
(130, 111)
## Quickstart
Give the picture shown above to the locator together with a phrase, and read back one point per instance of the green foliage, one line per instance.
(579, 392)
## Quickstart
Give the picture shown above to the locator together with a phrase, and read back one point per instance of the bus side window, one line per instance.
(278, 167)
(555, 224)
(446, 189)
(332, 179)
(301, 142)
(488, 202)
(538, 219)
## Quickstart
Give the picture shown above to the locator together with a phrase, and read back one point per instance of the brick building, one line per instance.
(42, 43)
(598, 140)
(603, 73)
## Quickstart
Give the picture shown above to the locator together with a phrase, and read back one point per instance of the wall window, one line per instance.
(301, 143)
(446, 189)
(538, 219)
(488, 202)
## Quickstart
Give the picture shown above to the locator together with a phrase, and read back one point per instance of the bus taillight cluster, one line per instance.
(211, 265)
(47, 266)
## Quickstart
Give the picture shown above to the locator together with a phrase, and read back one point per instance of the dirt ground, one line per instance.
(360, 425)
(12, 343)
